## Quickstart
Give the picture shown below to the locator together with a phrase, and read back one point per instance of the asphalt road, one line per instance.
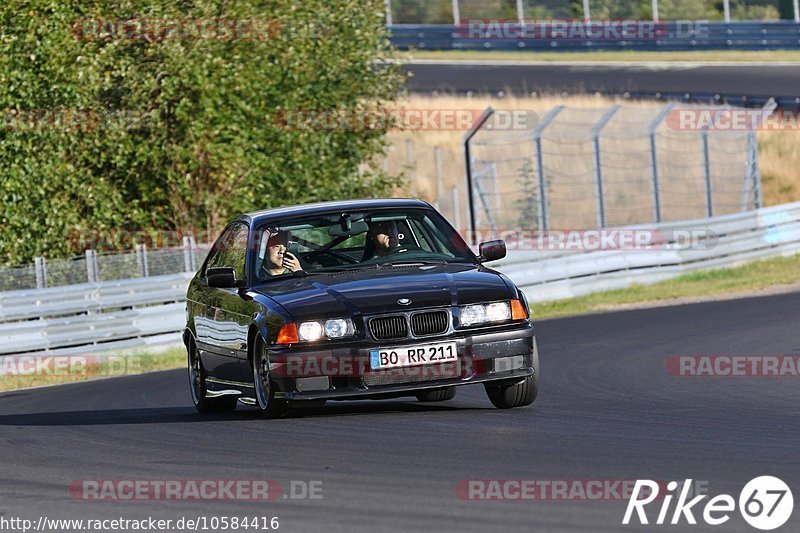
(756, 80)
(608, 411)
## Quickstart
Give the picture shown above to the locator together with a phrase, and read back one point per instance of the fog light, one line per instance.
(315, 383)
(505, 364)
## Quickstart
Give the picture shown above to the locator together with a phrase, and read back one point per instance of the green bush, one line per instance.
(179, 133)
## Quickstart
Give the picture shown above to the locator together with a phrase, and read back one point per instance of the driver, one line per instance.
(278, 261)
(383, 236)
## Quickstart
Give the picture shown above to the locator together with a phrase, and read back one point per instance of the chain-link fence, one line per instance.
(96, 267)
(590, 168)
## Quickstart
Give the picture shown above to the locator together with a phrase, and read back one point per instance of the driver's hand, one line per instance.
(291, 262)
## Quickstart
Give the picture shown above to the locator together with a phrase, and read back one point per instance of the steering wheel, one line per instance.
(311, 256)
(402, 249)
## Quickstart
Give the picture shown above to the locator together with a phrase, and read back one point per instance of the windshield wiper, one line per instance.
(393, 264)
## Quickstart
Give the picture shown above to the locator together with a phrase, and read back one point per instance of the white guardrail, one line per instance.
(94, 317)
(144, 312)
(720, 241)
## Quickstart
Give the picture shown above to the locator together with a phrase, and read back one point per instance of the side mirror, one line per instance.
(492, 251)
(221, 278)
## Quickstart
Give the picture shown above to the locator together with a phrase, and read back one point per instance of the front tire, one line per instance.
(264, 386)
(197, 386)
(437, 395)
(514, 395)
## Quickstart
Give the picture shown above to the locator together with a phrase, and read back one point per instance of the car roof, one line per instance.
(326, 207)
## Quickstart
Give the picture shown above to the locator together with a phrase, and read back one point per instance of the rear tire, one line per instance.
(197, 386)
(263, 385)
(437, 395)
(515, 395)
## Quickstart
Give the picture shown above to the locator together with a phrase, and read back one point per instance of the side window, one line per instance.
(216, 255)
(238, 253)
(230, 250)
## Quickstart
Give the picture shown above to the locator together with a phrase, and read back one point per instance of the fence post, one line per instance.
(727, 8)
(40, 266)
(796, 6)
(521, 11)
(757, 199)
(141, 260)
(468, 162)
(187, 254)
(598, 165)
(456, 13)
(655, 11)
(537, 139)
(388, 12)
(707, 171)
(437, 160)
(194, 248)
(753, 173)
(587, 14)
(410, 162)
(91, 266)
(654, 158)
(456, 208)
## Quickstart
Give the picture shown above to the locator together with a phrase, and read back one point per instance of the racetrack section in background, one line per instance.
(750, 83)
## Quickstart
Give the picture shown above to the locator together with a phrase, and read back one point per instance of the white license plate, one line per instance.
(422, 354)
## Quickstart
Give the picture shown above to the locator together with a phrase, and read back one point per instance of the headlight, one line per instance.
(498, 312)
(472, 315)
(338, 328)
(334, 329)
(310, 331)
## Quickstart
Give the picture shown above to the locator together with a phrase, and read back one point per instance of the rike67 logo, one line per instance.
(766, 503)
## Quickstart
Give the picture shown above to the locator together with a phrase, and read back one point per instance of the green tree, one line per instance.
(184, 132)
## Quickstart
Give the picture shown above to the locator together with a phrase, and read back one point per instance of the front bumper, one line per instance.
(344, 373)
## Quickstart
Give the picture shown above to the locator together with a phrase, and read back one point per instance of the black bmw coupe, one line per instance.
(352, 300)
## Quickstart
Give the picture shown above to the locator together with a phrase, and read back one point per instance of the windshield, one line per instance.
(357, 240)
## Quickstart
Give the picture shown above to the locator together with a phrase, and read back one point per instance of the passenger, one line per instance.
(278, 261)
(382, 239)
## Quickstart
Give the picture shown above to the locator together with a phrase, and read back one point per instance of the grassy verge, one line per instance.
(749, 278)
(748, 56)
(20, 372)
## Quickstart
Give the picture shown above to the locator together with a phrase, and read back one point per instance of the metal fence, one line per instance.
(94, 267)
(597, 168)
(458, 11)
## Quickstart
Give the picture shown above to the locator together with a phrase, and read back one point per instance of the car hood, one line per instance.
(373, 291)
